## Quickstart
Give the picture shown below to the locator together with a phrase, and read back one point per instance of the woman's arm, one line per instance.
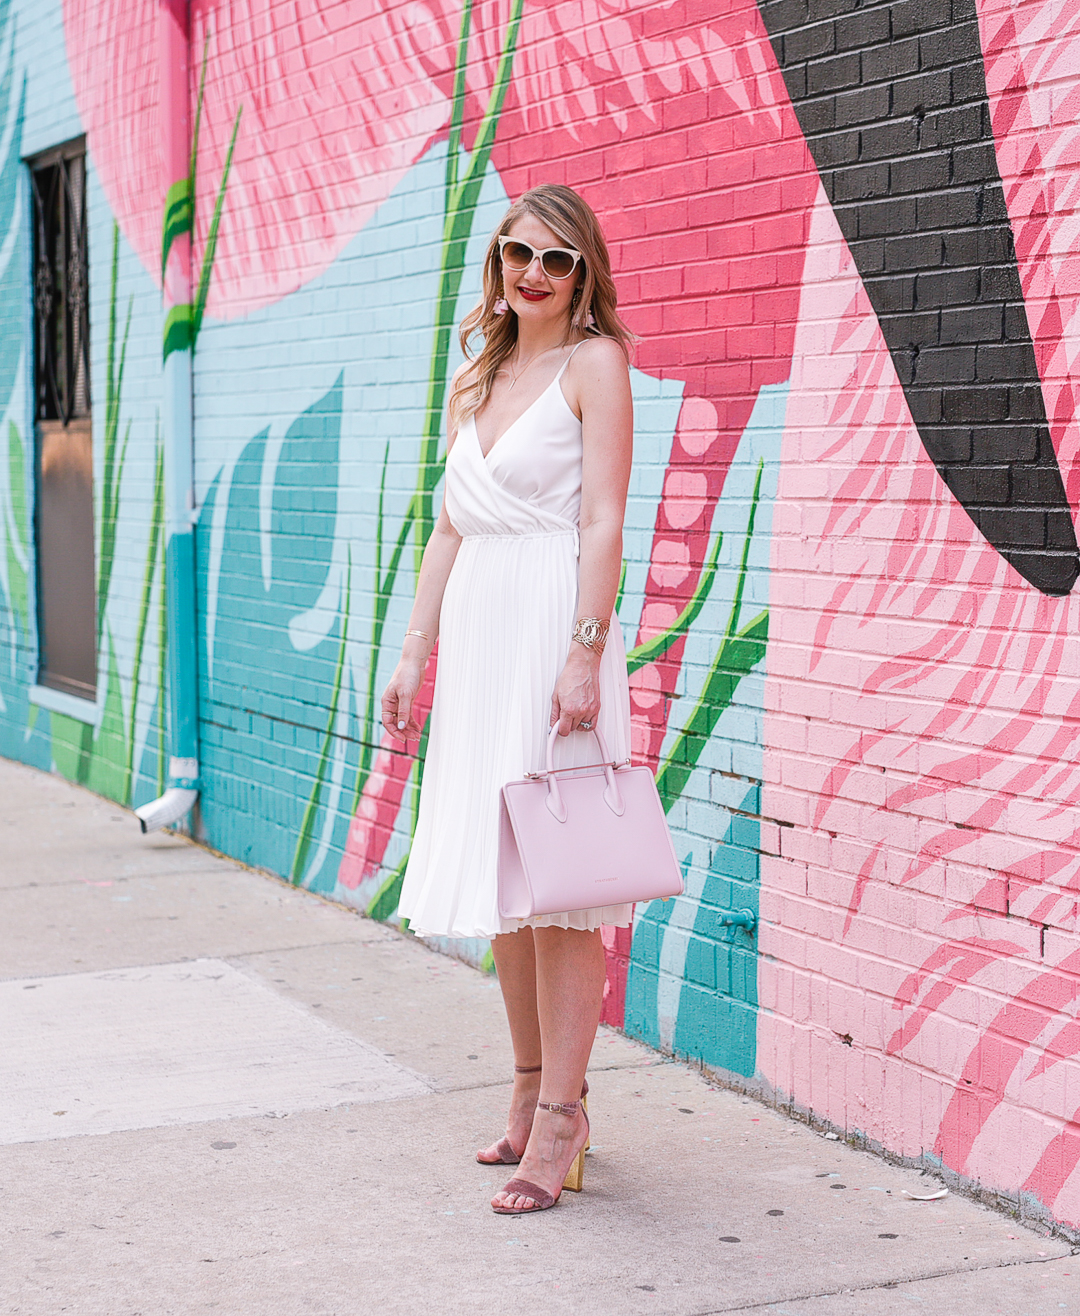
(439, 554)
(598, 388)
(404, 685)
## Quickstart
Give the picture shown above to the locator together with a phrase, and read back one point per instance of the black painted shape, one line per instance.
(892, 100)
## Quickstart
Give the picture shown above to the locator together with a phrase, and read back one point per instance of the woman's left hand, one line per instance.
(577, 691)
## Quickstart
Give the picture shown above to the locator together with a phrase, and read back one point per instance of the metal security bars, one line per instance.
(61, 305)
(64, 524)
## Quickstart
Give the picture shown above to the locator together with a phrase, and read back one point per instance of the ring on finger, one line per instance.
(585, 726)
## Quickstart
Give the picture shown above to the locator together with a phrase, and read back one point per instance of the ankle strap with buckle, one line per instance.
(559, 1107)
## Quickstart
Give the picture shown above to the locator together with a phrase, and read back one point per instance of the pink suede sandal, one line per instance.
(504, 1148)
(505, 1153)
(575, 1175)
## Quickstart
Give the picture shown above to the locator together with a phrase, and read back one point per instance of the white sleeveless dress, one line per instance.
(504, 633)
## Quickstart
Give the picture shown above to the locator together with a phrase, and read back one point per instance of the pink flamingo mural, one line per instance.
(935, 793)
(709, 280)
(952, 751)
(337, 109)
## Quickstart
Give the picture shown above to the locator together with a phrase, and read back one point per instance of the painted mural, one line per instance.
(845, 237)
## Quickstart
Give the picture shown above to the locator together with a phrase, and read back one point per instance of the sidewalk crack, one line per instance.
(883, 1284)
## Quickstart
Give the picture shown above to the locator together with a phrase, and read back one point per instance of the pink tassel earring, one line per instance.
(501, 307)
(589, 320)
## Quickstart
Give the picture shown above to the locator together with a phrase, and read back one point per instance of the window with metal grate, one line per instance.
(67, 603)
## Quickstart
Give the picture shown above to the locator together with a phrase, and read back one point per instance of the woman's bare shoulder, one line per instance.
(600, 355)
(599, 374)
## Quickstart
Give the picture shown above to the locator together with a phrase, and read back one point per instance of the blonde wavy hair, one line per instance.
(573, 222)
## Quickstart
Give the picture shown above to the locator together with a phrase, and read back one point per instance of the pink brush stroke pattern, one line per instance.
(933, 703)
(336, 107)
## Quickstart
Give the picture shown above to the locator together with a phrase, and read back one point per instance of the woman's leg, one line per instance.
(570, 971)
(515, 963)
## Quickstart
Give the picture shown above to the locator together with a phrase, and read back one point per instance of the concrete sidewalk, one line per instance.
(222, 1095)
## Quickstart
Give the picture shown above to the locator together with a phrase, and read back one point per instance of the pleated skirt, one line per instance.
(508, 612)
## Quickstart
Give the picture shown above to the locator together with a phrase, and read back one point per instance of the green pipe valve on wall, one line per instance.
(739, 918)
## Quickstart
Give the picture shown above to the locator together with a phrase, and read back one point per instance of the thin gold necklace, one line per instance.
(514, 378)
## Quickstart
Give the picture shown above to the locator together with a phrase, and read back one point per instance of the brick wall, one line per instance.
(844, 234)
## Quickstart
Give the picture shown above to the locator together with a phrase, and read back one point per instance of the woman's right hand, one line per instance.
(398, 700)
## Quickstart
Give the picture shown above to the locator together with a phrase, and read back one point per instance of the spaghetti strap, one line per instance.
(568, 359)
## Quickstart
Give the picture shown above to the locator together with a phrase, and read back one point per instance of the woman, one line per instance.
(519, 580)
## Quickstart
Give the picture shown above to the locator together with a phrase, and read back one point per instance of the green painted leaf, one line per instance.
(115, 449)
(311, 813)
(72, 743)
(735, 657)
(738, 652)
(17, 486)
(95, 757)
(384, 589)
(17, 588)
(177, 335)
(211, 239)
(655, 648)
(178, 217)
(109, 755)
(387, 897)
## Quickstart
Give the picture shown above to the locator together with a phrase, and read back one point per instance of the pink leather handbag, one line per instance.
(596, 838)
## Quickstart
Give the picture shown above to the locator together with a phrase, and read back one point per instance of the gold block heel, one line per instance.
(575, 1176)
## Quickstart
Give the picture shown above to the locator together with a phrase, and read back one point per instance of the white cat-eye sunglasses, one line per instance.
(556, 262)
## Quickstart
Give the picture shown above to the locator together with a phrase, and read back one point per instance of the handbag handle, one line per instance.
(612, 795)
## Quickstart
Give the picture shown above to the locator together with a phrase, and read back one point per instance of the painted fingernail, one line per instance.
(401, 726)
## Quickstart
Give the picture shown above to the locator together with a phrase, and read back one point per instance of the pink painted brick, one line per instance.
(783, 805)
(1061, 946)
(810, 847)
(978, 888)
(829, 886)
(769, 834)
(783, 873)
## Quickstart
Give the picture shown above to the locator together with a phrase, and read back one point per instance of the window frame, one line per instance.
(65, 547)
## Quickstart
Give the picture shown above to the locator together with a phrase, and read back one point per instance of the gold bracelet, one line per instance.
(592, 632)
(423, 635)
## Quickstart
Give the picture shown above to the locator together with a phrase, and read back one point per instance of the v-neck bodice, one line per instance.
(518, 419)
(530, 480)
